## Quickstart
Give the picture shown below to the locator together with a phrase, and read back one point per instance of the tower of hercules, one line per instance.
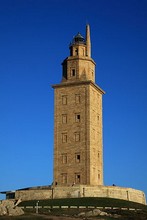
(78, 144)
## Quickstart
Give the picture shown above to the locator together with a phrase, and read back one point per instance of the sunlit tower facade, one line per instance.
(78, 131)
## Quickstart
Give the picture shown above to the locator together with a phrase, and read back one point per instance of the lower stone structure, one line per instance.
(9, 208)
(82, 191)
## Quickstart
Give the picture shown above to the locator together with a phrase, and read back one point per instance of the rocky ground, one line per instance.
(10, 211)
(50, 217)
(9, 208)
(38, 217)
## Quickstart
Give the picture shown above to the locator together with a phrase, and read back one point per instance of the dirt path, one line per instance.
(49, 217)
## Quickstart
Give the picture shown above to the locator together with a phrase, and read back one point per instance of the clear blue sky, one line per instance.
(34, 40)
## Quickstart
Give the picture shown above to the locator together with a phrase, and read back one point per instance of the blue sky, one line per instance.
(34, 40)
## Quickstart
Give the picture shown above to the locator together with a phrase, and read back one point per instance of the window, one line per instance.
(77, 117)
(64, 119)
(77, 98)
(98, 155)
(76, 51)
(98, 117)
(99, 175)
(77, 178)
(77, 136)
(73, 72)
(77, 158)
(64, 177)
(64, 137)
(64, 99)
(64, 158)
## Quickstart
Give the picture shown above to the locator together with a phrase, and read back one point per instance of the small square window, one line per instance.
(73, 72)
(64, 137)
(98, 117)
(77, 178)
(77, 158)
(64, 158)
(64, 99)
(64, 119)
(76, 51)
(99, 175)
(64, 177)
(77, 117)
(77, 136)
(77, 98)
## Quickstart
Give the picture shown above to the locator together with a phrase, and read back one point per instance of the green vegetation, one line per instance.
(57, 213)
(116, 204)
(25, 217)
(91, 201)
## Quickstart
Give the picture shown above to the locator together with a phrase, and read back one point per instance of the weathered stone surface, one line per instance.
(103, 214)
(89, 214)
(83, 191)
(78, 141)
(96, 212)
(93, 213)
(81, 214)
(7, 207)
(3, 210)
(7, 203)
(15, 211)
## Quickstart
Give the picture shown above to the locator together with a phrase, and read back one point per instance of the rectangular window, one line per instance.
(64, 99)
(77, 136)
(64, 137)
(64, 158)
(73, 72)
(77, 117)
(77, 98)
(64, 119)
(98, 117)
(76, 51)
(77, 158)
(99, 175)
(77, 178)
(98, 154)
(64, 177)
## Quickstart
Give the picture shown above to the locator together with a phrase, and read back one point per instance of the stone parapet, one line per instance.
(36, 194)
(83, 191)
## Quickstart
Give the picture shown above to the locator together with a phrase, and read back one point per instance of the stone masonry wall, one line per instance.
(83, 191)
(33, 194)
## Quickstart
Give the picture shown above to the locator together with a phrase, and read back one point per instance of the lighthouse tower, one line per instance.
(78, 141)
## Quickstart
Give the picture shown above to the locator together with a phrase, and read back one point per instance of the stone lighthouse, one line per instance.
(78, 131)
(78, 134)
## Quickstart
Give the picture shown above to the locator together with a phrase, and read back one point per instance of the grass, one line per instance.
(140, 214)
(86, 201)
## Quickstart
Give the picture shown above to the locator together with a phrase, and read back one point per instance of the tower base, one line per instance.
(77, 191)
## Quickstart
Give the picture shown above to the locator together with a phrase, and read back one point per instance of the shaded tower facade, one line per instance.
(78, 142)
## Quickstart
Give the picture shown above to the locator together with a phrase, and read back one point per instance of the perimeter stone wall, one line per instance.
(36, 194)
(83, 191)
